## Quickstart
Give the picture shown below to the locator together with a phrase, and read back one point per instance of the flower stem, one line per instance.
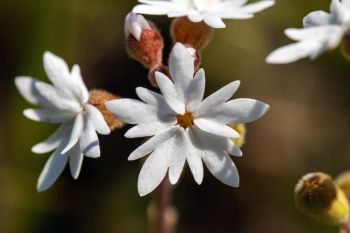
(164, 214)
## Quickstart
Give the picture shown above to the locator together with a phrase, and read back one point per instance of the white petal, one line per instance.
(178, 149)
(75, 161)
(215, 158)
(132, 111)
(155, 100)
(150, 10)
(81, 91)
(238, 111)
(217, 98)
(216, 128)
(175, 102)
(51, 171)
(233, 149)
(181, 67)
(214, 21)
(88, 141)
(316, 18)
(196, 167)
(26, 86)
(153, 171)
(258, 6)
(46, 115)
(97, 120)
(57, 98)
(75, 133)
(57, 70)
(152, 143)
(53, 141)
(196, 91)
(149, 129)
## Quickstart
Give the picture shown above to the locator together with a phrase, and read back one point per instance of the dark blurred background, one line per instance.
(305, 130)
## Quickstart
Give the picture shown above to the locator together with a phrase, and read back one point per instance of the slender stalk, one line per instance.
(164, 213)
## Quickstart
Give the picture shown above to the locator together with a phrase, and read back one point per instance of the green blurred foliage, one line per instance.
(306, 129)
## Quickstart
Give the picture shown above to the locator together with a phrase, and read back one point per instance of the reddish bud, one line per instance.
(144, 42)
(98, 98)
(198, 35)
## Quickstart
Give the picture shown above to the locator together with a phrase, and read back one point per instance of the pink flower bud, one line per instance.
(144, 43)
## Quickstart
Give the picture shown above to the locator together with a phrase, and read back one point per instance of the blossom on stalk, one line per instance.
(66, 103)
(183, 126)
(322, 31)
(212, 12)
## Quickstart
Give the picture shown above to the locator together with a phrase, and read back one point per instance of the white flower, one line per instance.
(185, 127)
(210, 11)
(65, 102)
(322, 31)
(134, 24)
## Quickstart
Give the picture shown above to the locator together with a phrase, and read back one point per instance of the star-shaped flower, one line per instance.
(322, 31)
(210, 11)
(185, 127)
(66, 103)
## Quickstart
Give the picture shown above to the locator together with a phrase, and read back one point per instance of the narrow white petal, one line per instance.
(233, 149)
(215, 157)
(51, 171)
(149, 129)
(150, 10)
(152, 143)
(153, 171)
(181, 67)
(196, 167)
(97, 120)
(75, 161)
(26, 86)
(57, 70)
(132, 111)
(57, 98)
(216, 128)
(316, 18)
(238, 111)
(155, 100)
(214, 21)
(81, 91)
(88, 141)
(196, 91)
(75, 133)
(217, 98)
(53, 141)
(46, 115)
(175, 102)
(258, 6)
(178, 150)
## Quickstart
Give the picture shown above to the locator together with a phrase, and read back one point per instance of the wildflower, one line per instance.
(66, 103)
(322, 31)
(212, 12)
(185, 127)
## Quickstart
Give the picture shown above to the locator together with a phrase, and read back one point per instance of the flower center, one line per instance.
(185, 120)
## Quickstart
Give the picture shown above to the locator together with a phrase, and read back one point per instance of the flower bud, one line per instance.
(98, 98)
(242, 131)
(198, 35)
(160, 68)
(343, 182)
(317, 196)
(345, 45)
(144, 43)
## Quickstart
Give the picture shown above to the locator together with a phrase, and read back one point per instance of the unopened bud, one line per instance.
(144, 42)
(198, 35)
(317, 196)
(152, 73)
(345, 45)
(98, 98)
(242, 131)
(343, 182)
